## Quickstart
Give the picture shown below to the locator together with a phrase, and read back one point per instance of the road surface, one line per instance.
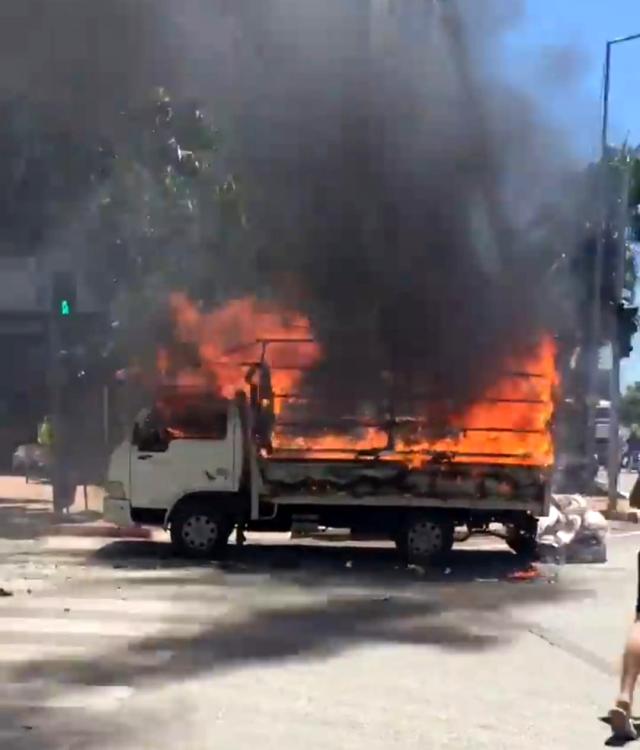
(116, 644)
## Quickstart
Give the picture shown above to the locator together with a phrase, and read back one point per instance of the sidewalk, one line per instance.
(624, 511)
(26, 509)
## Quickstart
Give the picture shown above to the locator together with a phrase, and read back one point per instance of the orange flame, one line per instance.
(230, 338)
(510, 424)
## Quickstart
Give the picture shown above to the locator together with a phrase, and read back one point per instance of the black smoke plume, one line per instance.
(399, 185)
(405, 193)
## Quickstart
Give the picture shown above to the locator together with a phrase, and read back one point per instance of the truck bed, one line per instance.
(358, 478)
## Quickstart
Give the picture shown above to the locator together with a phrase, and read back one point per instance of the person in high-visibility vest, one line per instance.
(45, 432)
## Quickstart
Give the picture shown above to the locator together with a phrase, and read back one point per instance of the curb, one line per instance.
(100, 530)
(629, 516)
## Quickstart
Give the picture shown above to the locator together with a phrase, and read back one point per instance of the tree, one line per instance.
(146, 208)
(169, 218)
(626, 174)
(634, 195)
(630, 406)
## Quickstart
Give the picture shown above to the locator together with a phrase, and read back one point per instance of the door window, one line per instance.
(149, 433)
(180, 419)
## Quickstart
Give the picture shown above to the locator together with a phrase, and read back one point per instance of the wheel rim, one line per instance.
(199, 532)
(425, 538)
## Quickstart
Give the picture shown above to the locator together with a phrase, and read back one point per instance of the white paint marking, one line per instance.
(68, 626)
(187, 609)
(39, 695)
(124, 571)
(28, 652)
(19, 652)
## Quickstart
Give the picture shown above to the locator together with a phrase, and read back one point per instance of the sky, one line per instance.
(570, 36)
(575, 32)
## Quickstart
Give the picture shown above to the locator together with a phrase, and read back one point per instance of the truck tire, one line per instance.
(425, 539)
(199, 532)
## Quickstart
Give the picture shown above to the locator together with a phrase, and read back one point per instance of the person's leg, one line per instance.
(630, 668)
(620, 715)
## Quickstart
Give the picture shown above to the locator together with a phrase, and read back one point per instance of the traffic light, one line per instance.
(64, 294)
(626, 327)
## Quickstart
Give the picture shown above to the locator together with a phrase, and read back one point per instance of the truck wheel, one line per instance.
(199, 532)
(425, 539)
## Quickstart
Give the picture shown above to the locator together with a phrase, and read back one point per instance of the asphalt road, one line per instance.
(116, 644)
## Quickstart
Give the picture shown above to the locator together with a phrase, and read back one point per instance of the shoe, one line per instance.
(621, 725)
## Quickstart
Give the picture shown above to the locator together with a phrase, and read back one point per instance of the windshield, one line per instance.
(192, 418)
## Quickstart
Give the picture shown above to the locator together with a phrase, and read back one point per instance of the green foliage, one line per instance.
(630, 273)
(150, 209)
(634, 182)
(622, 188)
(169, 218)
(633, 202)
(630, 406)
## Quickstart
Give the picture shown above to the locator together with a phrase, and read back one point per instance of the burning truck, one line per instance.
(237, 442)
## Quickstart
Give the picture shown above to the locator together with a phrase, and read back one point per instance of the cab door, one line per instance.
(176, 454)
(152, 465)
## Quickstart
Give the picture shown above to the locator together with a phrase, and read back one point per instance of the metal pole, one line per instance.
(613, 470)
(105, 415)
(613, 456)
(55, 395)
(605, 104)
(596, 309)
(614, 374)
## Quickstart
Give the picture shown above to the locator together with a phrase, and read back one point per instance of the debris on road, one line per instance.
(572, 532)
(525, 575)
(4, 592)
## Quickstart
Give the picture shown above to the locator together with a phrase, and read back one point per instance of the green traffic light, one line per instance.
(65, 307)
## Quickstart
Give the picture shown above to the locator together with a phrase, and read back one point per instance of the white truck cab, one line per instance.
(178, 450)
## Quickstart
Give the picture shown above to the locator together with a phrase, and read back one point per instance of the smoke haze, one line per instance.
(400, 179)
(392, 177)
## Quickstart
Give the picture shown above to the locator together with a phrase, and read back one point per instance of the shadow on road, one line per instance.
(318, 562)
(613, 741)
(265, 635)
(385, 603)
(30, 518)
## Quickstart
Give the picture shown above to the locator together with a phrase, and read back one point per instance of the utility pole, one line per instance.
(55, 400)
(596, 324)
(61, 312)
(613, 468)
